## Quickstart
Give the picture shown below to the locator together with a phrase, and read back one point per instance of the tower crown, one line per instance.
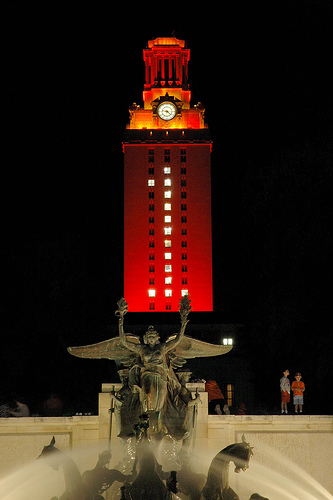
(166, 61)
(166, 81)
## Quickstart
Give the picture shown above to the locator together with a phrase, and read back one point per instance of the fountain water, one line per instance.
(282, 480)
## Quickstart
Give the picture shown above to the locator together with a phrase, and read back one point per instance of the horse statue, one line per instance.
(217, 484)
(92, 483)
(75, 489)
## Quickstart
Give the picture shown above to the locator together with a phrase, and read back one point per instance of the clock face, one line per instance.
(166, 111)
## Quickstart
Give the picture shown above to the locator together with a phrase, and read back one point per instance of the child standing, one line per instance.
(298, 388)
(285, 391)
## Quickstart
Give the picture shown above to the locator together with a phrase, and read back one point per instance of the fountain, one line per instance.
(155, 407)
(156, 420)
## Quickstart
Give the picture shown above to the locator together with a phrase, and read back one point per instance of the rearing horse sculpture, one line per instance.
(91, 484)
(75, 489)
(217, 484)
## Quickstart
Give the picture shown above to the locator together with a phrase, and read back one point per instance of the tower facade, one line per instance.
(167, 189)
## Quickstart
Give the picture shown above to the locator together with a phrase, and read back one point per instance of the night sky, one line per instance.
(265, 78)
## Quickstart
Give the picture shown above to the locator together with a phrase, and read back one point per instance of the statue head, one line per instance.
(183, 375)
(104, 458)
(51, 455)
(151, 336)
(123, 374)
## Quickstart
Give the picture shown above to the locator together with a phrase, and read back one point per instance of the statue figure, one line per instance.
(185, 409)
(151, 364)
(126, 405)
(151, 372)
(148, 483)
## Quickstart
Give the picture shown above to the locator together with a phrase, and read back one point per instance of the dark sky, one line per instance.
(70, 74)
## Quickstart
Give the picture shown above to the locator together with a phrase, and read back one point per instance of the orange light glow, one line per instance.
(166, 77)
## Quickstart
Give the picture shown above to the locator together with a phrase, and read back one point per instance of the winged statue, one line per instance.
(152, 362)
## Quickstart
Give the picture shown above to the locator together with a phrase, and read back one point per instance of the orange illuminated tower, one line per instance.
(167, 148)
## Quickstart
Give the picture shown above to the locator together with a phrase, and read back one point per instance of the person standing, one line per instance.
(215, 396)
(285, 391)
(298, 387)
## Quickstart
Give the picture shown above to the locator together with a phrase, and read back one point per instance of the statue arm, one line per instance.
(184, 310)
(179, 337)
(197, 399)
(116, 397)
(122, 335)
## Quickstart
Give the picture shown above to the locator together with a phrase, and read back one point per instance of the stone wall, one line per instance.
(22, 439)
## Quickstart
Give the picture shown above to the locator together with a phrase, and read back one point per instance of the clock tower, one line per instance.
(167, 189)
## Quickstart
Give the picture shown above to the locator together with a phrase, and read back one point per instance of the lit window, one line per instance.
(184, 292)
(167, 231)
(167, 218)
(168, 293)
(167, 268)
(168, 280)
(167, 194)
(167, 206)
(167, 255)
(230, 394)
(151, 292)
(167, 182)
(227, 341)
(167, 170)
(151, 182)
(167, 243)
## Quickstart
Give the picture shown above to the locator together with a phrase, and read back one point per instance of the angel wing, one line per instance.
(191, 348)
(109, 349)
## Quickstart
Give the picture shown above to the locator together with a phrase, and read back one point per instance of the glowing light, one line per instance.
(184, 292)
(167, 194)
(167, 231)
(168, 293)
(167, 170)
(152, 293)
(228, 341)
(167, 255)
(167, 218)
(167, 206)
